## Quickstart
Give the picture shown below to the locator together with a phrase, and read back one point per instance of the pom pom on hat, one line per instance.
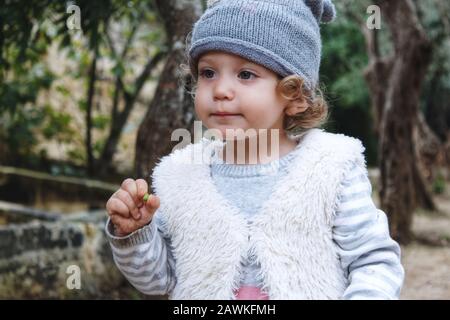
(323, 10)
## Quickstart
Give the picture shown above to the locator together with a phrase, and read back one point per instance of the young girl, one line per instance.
(296, 224)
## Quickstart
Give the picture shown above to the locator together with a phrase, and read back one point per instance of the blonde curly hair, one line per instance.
(293, 89)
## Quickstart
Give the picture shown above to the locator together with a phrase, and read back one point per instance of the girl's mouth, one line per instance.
(225, 114)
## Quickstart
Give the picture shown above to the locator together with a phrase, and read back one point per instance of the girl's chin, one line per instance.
(236, 134)
(230, 132)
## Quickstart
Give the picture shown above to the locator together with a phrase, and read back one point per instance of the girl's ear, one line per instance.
(296, 106)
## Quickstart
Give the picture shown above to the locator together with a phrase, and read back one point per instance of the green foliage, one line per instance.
(57, 125)
(77, 155)
(434, 16)
(118, 69)
(20, 130)
(439, 184)
(97, 148)
(353, 92)
(23, 85)
(29, 29)
(342, 68)
(344, 58)
(101, 121)
(17, 21)
(21, 121)
(62, 90)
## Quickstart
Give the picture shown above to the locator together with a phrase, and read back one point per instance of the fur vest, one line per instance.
(291, 236)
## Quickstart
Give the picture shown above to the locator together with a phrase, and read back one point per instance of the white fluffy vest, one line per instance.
(291, 236)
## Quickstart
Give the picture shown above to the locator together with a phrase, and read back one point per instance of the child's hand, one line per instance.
(128, 210)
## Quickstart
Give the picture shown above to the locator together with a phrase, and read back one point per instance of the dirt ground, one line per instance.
(427, 267)
(427, 259)
(427, 273)
(427, 263)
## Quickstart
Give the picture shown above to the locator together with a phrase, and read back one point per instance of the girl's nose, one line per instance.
(223, 90)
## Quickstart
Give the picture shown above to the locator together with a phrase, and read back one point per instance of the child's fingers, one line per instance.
(128, 226)
(146, 215)
(129, 202)
(124, 225)
(152, 203)
(142, 188)
(130, 186)
(150, 207)
(116, 206)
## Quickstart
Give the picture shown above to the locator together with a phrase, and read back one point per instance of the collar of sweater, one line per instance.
(218, 166)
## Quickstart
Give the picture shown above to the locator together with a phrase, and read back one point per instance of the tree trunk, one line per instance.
(399, 116)
(89, 103)
(119, 119)
(431, 155)
(172, 107)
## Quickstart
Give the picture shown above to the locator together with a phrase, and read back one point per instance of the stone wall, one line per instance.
(35, 258)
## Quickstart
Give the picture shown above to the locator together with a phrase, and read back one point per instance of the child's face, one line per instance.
(231, 84)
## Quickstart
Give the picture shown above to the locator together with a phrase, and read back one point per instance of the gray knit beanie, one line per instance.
(281, 35)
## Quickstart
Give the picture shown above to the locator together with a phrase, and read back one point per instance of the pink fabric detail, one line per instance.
(250, 293)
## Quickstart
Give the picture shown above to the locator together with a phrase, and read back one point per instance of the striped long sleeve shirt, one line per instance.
(368, 255)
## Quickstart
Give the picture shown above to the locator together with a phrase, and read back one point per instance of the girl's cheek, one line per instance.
(201, 105)
(198, 96)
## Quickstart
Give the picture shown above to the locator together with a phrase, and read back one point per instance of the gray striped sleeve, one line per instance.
(368, 254)
(145, 258)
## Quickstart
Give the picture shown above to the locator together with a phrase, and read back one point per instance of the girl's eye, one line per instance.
(246, 75)
(207, 73)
